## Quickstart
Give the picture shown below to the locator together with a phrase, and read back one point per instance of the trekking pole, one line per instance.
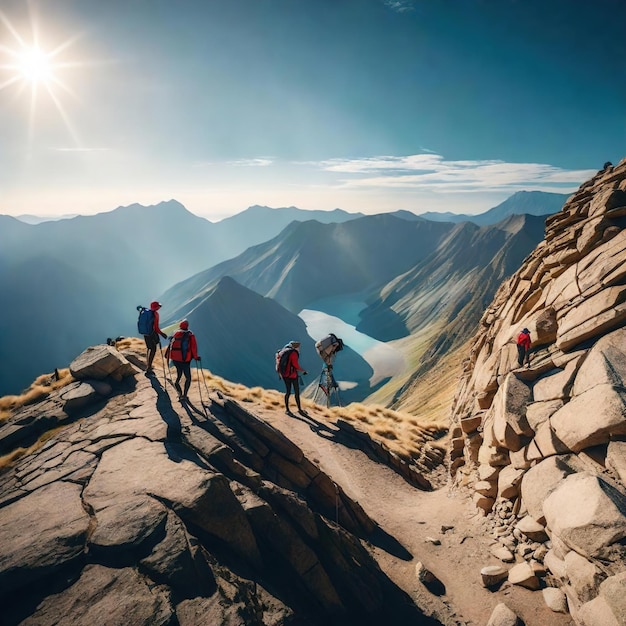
(163, 362)
(206, 387)
(199, 388)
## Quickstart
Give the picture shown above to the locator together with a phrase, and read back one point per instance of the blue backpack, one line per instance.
(145, 322)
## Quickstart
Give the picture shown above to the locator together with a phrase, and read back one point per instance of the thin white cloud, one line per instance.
(432, 172)
(259, 162)
(80, 149)
(401, 6)
(250, 163)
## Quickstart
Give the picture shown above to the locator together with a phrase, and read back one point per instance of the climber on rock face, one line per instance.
(523, 347)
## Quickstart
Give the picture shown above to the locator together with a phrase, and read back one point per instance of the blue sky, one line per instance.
(366, 105)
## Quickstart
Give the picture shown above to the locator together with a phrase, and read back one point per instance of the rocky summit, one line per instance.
(131, 508)
(543, 446)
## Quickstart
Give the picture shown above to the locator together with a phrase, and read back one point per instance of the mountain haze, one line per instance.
(80, 279)
(440, 278)
(99, 268)
(309, 260)
(520, 203)
(439, 303)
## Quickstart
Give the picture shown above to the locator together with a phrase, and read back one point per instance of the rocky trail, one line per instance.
(442, 529)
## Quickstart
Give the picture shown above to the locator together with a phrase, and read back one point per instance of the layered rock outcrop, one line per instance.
(135, 511)
(544, 446)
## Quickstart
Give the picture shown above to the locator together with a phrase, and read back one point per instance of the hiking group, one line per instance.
(181, 349)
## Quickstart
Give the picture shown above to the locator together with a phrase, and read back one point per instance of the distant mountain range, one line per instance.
(37, 219)
(71, 283)
(520, 203)
(417, 276)
(309, 260)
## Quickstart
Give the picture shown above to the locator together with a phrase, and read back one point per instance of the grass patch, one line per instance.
(41, 388)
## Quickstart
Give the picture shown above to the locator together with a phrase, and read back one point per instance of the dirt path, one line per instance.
(414, 519)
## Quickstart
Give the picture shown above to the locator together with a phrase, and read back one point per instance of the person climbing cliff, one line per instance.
(523, 347)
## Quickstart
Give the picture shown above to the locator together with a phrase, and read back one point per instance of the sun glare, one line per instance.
(30, 65)
(35, 66)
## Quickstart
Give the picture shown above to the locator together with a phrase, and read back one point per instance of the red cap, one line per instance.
(155, 305)
(184, 325)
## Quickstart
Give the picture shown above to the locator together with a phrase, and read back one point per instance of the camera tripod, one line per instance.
(328, 386)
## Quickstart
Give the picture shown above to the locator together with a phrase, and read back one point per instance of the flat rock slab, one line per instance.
(106, 596)
(53, 531)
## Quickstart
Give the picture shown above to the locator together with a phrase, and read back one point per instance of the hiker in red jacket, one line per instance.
(523, 347)
(290, 375)
(152, 340)
(183, 347)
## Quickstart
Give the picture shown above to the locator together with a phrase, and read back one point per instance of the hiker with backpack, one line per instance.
(523, 347)
(287, 366)
(183, 347)
(148, 326)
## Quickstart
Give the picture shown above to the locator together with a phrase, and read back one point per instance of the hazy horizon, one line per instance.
(370, 106)
(53, 217)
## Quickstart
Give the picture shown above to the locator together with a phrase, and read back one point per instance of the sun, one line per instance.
(28, 65)
(35, 66)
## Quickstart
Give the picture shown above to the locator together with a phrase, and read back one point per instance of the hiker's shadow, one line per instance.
(167, 412)
(175, 447)
(332, 433)
(317, 427)
(193, 413)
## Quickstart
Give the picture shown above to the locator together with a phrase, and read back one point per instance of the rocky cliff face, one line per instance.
(544, 446)
(138, 511)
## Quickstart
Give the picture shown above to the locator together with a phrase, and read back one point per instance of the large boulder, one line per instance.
(99, 362)
(540, 480)
(586, 513)
(592, 418)
(605, 364)
(608, 608)
(509, 413)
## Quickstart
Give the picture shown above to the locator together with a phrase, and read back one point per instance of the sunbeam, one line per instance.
(30, 66)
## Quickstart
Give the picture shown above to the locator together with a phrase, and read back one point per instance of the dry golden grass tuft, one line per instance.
(399, 431)
(18, 453)
(39, 389)
(9, 459)
(131, 343)
(405, 432)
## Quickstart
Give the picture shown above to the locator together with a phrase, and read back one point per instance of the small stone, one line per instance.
(502, 553)
(523, 575)
(433, 540)
(555, 599)
(503, 616)
(540, 553)
(492, 575)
